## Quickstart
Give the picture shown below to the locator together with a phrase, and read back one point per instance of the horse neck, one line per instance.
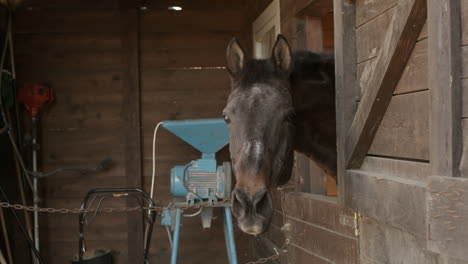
(315, 120)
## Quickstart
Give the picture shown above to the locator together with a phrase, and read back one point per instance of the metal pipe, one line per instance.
(35, 126)
(229, 236)
(175, 239)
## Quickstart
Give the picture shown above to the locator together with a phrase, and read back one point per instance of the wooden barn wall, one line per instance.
(95, 56)
(397, 168)
(464, 75)
(177, 51)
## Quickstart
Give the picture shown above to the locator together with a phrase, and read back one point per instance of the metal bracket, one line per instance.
(351, 221)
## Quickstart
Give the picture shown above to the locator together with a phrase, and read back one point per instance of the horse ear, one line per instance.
(235, 57)
(281, 54)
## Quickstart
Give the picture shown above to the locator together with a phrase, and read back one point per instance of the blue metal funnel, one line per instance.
(206, 135)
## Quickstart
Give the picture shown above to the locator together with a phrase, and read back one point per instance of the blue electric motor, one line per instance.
(202, 180)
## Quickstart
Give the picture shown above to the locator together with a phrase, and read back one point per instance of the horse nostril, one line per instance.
(263, 204)
(237, 203)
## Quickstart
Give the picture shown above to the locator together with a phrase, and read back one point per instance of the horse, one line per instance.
(276, 106)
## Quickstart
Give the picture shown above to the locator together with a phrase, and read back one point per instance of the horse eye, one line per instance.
(227, 119)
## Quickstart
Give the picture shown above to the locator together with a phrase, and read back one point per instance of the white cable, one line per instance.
(169, 235)
(154, 158)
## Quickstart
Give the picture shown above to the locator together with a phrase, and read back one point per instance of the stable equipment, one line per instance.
(34, 97)
(103, 256)
(201, 180)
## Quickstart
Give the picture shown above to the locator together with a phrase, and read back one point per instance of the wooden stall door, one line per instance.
(398, 127)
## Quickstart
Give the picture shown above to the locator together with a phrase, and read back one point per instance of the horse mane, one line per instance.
(313, 94)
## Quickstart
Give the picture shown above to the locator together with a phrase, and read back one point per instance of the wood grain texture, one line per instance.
(404, 129)
(368, 10)
(130, 26)
(323, 243)
(464, 51)
(318, 210)
(447, 216)
(300, 256)
(371, 36)
(418, 171)
(400, 39)
(464, 158)
(445, 86)
(464, 98)
(383, 244)
(464, 22)
(400, 201)
(414, 77)
(347, 90)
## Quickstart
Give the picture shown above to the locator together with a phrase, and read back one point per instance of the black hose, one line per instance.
(23, 230)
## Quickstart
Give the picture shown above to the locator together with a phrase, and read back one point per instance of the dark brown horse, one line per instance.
(276, 106)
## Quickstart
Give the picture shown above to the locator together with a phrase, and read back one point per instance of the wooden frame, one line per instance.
(446, 196)
(268, 19)
(444, 60)
(400, 39)
(347, 90)
(130, 17)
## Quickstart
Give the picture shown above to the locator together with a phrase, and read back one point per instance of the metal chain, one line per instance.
(282, 250)
(105, 210)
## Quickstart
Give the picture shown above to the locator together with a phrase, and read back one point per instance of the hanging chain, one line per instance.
(282, 250)
(105, 210)
(277, 255)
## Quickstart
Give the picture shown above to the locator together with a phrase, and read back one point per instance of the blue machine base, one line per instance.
(228, 233)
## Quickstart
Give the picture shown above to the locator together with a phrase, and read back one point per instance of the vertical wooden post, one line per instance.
(130, 25)
(347, 91)
(444, 61)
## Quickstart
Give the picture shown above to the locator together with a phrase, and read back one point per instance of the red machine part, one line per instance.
(34, 97)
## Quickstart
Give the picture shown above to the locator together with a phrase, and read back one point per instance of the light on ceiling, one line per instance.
(175, 8)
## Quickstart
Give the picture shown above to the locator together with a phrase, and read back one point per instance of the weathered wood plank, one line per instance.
(414, 77)
(368, 10)
(323, 243)
(464, 62)
(445, 86)
(302, 172)
(130, 26)
(404, 129)
(464, 158)
(447, 199)
(347, 90)
(186, 50)
(37, 21)
(418, 171)
(464, 22)
(464, 98)
(383, 244)
(300, 256)
(371, 36)
(391, 59)
(319, 210)
(395, 201)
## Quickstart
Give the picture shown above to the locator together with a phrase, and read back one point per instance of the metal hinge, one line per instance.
(351, 221)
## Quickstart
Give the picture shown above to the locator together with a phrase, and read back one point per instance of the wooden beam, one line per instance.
(444, 60)
(392, 57)
(130, 38)
(347, 90)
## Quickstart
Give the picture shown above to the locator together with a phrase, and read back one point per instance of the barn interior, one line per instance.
(112, 70)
